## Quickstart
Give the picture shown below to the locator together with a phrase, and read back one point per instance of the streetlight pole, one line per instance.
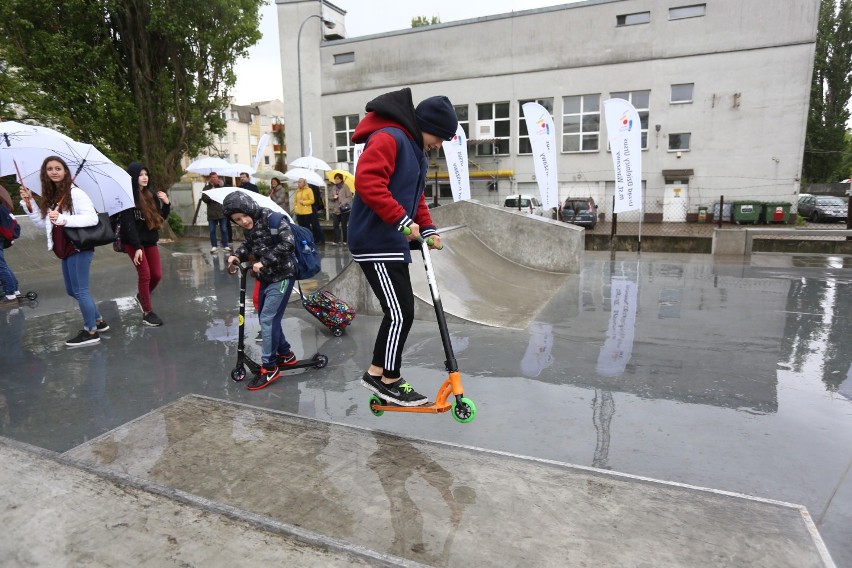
(327, 23)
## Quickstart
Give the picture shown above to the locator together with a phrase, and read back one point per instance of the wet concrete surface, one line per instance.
(730, 377)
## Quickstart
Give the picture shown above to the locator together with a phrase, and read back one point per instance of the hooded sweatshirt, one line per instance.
(274, 252)
(134, 229)
(390, 178)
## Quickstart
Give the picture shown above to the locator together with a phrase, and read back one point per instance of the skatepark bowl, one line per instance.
(632, 410)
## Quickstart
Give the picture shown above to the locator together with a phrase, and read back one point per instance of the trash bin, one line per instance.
(775, 212)
(702, 215)
(746, 211)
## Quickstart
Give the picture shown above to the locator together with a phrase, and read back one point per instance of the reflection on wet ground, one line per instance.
(668, 366)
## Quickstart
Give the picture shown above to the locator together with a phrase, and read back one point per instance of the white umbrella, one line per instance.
(310, 176)
(23, 151)
(269, 174)
(310, 163)
(234, 170)
(205, 166)
(219, 194)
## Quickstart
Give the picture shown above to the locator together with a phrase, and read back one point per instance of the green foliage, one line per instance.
(141, 79)
(420, 21)
(831, 91)
(800, 221)
(176, 223)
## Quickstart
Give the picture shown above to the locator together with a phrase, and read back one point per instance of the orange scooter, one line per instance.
(463, 408)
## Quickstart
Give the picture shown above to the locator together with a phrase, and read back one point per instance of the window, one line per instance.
(581, 123)
(682, 93)
(464, 122)
(253, 140)
(233, 136)
(266, 160)
(641, 101)
(264, 120)
(679, 142)
(633, 19)
(493, 123)
(524, 146)
(681, 12)
(348, 57)
(344, 126)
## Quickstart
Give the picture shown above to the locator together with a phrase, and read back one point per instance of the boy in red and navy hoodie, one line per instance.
(390, 178)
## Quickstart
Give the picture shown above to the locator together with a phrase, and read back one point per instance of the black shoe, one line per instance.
(287, 360)
(400, 392)
(84, 338)
(102, 326)
(259, 337)
(264, 378)
(152, 319)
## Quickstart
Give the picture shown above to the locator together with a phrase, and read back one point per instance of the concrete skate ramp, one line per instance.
(437, 504)
(498, 267)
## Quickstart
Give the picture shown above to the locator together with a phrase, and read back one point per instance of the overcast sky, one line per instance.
(259, 75)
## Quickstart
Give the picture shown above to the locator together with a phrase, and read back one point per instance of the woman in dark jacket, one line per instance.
(139, 233)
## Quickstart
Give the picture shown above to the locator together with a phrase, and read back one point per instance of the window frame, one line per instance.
(682, 101)
(343, 58)
(502, 141)
(633, 19)
(679, 136)
(348, 129)
(581, 134)
(673, 11)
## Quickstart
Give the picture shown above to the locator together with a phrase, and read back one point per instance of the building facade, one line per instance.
(722, 88)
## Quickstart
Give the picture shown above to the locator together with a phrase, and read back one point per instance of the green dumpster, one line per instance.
(775, 212)
(746, 211)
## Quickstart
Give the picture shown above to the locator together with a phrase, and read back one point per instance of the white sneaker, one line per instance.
(227, 249)
(214, 249)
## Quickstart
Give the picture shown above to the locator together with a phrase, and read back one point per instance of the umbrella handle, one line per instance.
(21, 182)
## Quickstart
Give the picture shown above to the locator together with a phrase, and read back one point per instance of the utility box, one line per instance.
(746, 212)
(702, 215)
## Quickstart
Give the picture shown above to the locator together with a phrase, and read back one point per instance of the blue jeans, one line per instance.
(223, 229)
(75, 271)
(271, 304)
(7, 277)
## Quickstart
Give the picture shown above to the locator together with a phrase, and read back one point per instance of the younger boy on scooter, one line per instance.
(272, 258)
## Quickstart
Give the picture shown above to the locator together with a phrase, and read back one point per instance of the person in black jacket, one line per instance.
(139, 232)
(245, 182)
(274, 267)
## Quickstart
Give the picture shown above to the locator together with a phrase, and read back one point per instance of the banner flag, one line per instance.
(261, 147)
(624, 131)
(543, 142)
(356, 154)
(456, 152)
(618, 345)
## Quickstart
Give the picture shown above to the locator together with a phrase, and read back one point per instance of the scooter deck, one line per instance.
(433, 408)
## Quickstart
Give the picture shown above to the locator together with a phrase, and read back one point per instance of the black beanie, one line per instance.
(437, 116)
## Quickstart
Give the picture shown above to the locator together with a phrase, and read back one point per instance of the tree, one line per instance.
(831, 92)
(141, 79)
(419, 21)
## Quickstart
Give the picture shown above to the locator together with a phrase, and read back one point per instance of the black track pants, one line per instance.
(391, 283)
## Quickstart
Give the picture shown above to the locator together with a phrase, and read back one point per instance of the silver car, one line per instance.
(819, 208)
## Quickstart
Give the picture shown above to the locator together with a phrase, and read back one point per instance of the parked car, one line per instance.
(525, 204)
(818, 208)
(581, 211)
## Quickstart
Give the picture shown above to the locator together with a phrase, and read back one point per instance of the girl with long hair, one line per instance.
(140, 231)
(63, 204)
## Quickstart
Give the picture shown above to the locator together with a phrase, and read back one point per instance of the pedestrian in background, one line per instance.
(215, 215)
(63, 204)
(139, 233)
(341, 206)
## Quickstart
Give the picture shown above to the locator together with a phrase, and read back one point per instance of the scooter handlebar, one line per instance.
(429, 242)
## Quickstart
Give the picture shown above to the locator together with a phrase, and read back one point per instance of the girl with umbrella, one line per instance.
(63, 204)
(139, 232)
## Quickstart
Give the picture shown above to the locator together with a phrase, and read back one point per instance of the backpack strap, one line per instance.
(275, 223)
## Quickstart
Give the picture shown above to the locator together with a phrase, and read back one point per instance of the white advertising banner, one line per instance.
(618, 345)
(456, 152)
(261, 147)
(624, 132)
(543, 142)
(359, 149)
